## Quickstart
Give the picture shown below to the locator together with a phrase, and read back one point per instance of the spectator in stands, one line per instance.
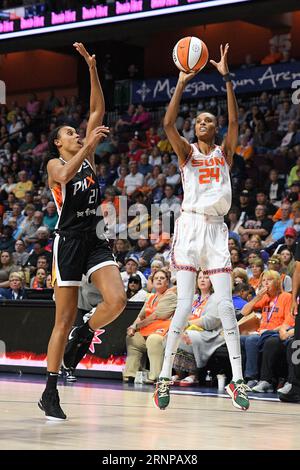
(240, 295)
(119, 183)
(274, 263)
(239, 276)
(273, 364)
(102, 177)
(146, 334)
(50, 217)
(39, 280)
(286, 114)
(172, 176)
(261, 225)
(156, 265)
(15, 289)
(134, 180)
(23, 185)
(152, 138)
(275, 307)
(236, 258)
(293, 173)
(272, 57)
(245, 149)
(144, 252)
(288, 241)
(6, 268)
(287, 261)
(274, 188)
(27, 147)
(135, 292)
(33, 105)
(120, 250)
(188, 131)
(262, 199)
(164, 145)
(135, 152)
(257, 268)
(287, 140)
(141, 119)
(7, 241)
(9, 184)
(41, 147)
(20, 256)
(245, 205)
(37, 251)
(31, 227)
(144, 166)
(279, 227)
(131, 267)
(14, 129)
(222, 126)
(16, 213)
(155, 157)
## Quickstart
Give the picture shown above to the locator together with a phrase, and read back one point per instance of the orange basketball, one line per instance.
(190, 54)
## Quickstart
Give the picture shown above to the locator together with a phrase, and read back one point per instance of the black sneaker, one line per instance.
(76, 348)
(49, 403)
(293, 396)
(67, 374)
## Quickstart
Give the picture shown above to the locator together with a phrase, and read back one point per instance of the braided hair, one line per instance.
(53, 150)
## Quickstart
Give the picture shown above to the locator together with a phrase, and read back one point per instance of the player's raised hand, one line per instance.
(222, 66)
(97, 134)
(90, 59)
(185, 77)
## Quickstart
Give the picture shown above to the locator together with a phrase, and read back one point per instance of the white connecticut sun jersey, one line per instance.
(206, 182)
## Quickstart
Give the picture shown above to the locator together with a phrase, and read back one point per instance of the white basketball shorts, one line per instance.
(200, 242)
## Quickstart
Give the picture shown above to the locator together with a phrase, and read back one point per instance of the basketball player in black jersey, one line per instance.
(77, 249)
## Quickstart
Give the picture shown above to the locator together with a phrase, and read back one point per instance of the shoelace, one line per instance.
(163, 388)
(243, 389)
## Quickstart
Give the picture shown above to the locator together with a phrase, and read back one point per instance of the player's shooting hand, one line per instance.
(90, 59)
(185, 77)
(97, 134)
(222, 66)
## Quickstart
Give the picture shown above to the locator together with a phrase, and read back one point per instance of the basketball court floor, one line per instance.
(108, 415)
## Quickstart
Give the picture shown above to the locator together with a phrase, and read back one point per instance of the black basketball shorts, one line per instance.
(77, 254)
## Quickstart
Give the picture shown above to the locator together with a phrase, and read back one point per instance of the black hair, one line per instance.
(240, 287)
(53, 150)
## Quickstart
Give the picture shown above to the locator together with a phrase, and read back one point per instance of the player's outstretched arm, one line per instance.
(97, 103)
(231, 139)
(179, 144)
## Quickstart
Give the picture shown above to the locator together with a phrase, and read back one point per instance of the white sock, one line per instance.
(222, 287)
(186, 282)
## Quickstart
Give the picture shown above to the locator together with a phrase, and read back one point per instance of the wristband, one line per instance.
(227, 77)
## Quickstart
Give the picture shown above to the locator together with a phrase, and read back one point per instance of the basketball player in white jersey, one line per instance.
(201, 237)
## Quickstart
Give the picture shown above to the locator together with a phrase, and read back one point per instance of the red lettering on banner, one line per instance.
(6, 26)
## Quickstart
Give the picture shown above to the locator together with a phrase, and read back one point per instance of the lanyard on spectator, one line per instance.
(270, 313)
(199, 302)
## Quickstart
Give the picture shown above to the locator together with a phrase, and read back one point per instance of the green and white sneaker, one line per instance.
(238, 393)
(161, 396)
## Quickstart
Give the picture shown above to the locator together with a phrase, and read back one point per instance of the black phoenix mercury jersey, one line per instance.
(77, 201)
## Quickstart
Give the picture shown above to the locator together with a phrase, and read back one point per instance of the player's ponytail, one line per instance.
(53, 150)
